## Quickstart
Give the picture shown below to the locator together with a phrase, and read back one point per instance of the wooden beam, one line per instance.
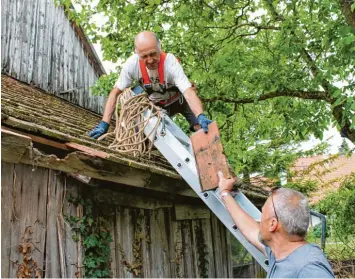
(38, 139)
(32, 127)
(13, 146)
(88, 165)
(188, 212)
(131, 200)
(17, 149)
(88, 150)
(91, 163)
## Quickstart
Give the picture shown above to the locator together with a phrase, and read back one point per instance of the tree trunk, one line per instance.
(345, 125)
(345, 6)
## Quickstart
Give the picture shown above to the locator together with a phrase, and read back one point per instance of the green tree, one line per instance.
(271, 72)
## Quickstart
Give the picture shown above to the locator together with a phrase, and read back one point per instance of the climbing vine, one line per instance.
(92, 229)
(28, 268)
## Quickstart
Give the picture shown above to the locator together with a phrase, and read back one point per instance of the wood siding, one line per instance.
(40, 46)
(36, 197)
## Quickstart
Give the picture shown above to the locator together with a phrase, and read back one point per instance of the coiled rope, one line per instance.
(129, 130)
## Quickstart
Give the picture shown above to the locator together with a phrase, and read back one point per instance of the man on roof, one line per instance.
(163, 78)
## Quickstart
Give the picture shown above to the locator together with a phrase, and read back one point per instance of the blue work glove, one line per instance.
(99, 130)
(203, 121)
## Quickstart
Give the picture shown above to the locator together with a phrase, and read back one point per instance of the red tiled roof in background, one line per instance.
(328, 170)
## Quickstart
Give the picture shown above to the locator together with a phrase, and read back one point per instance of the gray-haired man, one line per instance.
(281, 233)
(163, 78)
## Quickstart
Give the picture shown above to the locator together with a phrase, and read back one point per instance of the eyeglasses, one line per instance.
(272, 191)
(152, 54)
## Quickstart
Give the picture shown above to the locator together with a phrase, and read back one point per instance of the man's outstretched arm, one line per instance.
(195, 104)
(110, 106)
(244, 222)
(194, 101)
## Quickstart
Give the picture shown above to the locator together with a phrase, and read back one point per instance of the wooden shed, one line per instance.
(71, 207)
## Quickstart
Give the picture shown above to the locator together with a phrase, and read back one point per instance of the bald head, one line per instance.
(147, 46)
(146, 40)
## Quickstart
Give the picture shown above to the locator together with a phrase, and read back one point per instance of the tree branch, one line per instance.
(310, 95)
(345, 6)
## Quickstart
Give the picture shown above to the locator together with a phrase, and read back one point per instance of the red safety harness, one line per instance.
(148, 85)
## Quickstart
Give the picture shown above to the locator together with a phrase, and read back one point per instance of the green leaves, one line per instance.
(92, 231)
(242, 50)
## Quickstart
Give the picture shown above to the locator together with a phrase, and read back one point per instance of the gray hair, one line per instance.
(292, 211)
(156, 40)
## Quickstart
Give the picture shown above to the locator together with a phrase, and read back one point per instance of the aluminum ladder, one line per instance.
(176, 147)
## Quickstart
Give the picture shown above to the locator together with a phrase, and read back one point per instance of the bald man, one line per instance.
(281, 233)
(162, 77)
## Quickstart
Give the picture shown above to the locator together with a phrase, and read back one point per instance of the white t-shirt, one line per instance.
(173, 74)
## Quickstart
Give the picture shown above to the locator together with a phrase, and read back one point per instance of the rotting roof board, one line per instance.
(62, 121)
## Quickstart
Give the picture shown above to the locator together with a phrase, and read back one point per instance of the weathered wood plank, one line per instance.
(229, 262)
(224, 248)
(127, 239)
(187, 248)
(25, 40)
(129, 200)
(76, 53)
(196, 248)
(40, 39)
(55, 45)
(32, 42)
(7, 176)
(71, 62)
(36, 209)
(55, 191)
(119, 251)
(159, 244)
(207, 232)
(28, 207)
(6, 65)
(146, 241)
(69, 209)
(37, 139)
(4, 31)
(12, 34)
(61, 18)
(16, 50)
(217, 247)
(175, 247)
(66, 30)
(13, 146)
(17, 219)
(46, 39)
(189, 212)
(112, 231)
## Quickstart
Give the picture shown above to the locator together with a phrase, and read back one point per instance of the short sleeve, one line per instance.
(126, 76)
(315, 270)
(177, 72)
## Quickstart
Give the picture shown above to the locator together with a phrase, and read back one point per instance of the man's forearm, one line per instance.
(244, 222)
(111, 104)
(194, 101)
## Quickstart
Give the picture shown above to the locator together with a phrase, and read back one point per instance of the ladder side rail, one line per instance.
(184, 162)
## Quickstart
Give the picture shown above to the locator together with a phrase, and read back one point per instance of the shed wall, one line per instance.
(37, 197)
(40, 46)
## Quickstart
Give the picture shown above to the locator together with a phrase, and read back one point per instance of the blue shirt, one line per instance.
(307, 261)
